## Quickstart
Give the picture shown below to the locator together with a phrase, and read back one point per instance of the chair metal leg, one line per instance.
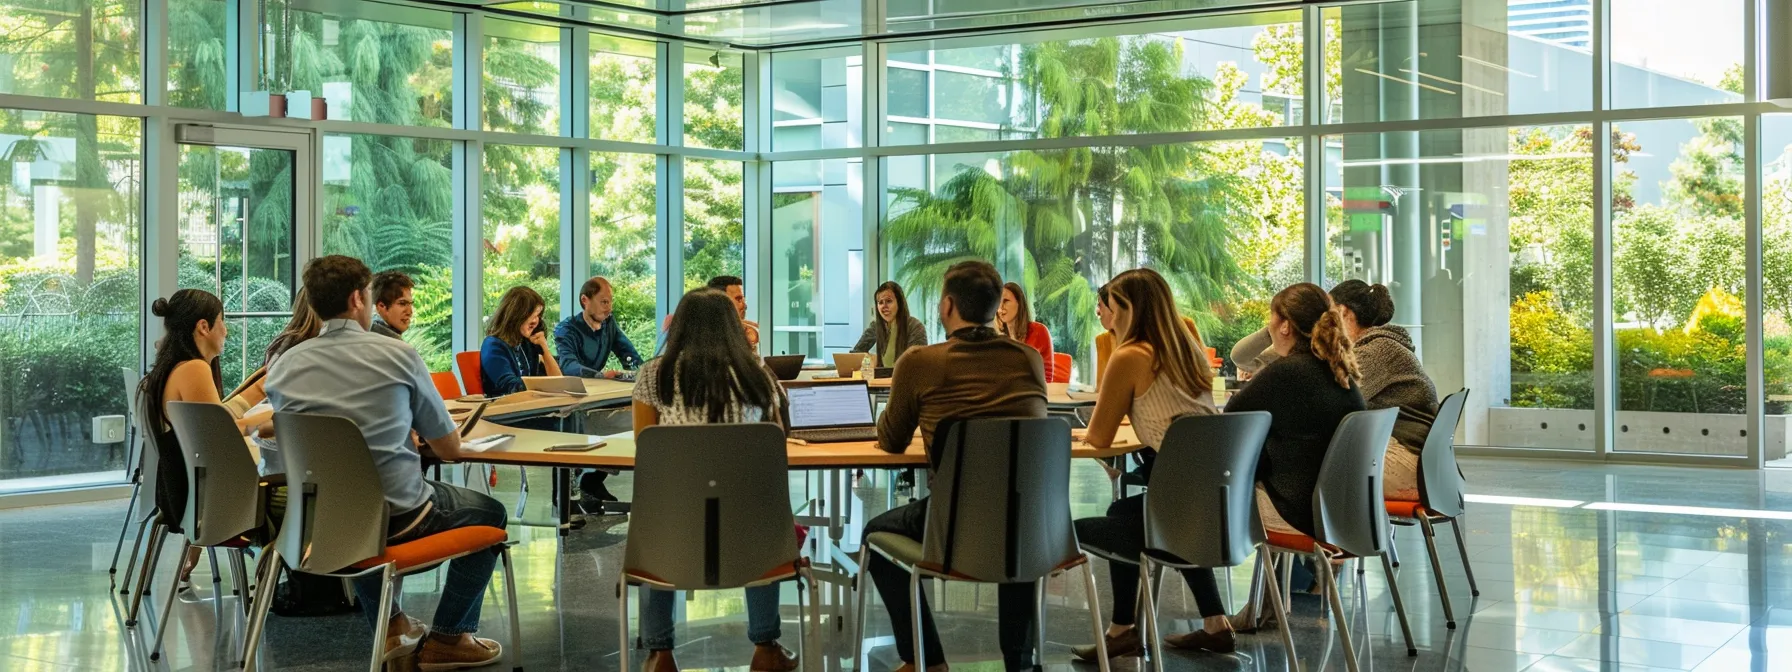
(516, 621)
(130, 568)
(145, 572)
(1393, 550)
(1153, 639)
(217, 583)
(1437, 570)
(124, 528)
(267, 576)
(914, 612)
(241, 571)
(1267, 570)
(862, 599)
(379, 626)
(1462, 547)
(1339, 619)
(1387, 566)
(1288, 561)
(1039, 621)
(802, 619)
(1101, 640)
(623, 645)
(1362, 603)
(814, 588)
(167, 613)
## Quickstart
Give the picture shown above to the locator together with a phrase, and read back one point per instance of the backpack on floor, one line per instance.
(304, 594)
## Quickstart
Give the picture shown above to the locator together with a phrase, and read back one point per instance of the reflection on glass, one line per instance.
(196, 54)
(81, 49)
(1221, 221)
(1484, 238)
(714, 82)
(522, 78)
(1677, 287)
(399, 71)
(623, 201)
(815, 99)
(520, 224)
(623, 92)
(714, 240)
(1667, 53)
(236, 232)
(818, 253)
(388, 201)
(70, 288)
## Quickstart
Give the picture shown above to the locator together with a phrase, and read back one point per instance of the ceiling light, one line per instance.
(1465, 85)
(1421, 85)
(1496, 66)
(1523, 501)
(1691, 510)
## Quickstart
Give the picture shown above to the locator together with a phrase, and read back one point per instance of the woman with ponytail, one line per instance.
(1393, 377)
(186, 369)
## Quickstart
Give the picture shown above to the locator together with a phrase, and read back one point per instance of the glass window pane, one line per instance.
(1484, 238)
(965, 97)
(1667, 53)
(389, 202)
(196, 54)
(70, 289)
(624, 92)
(713, 86)
(521, 231)
(522, 78)
(818, 257)
(816, 99)
(1223, 248)
(236, 240)
(1401, 61)
(82, 49)
(623, 228)
(1776, 277)
(714, 240)
(908, 95)
(389, 72)
(1677, 286)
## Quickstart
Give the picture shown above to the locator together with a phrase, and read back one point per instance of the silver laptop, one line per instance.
(830, 412)
(562, 384)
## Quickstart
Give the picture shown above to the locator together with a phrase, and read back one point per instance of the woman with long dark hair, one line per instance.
(1393, 377)
(185, 369)
(1015, 320)
(895, 330)
(709, 374)
(516, 344)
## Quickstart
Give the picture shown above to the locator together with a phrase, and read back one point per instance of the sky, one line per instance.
(1694, 39)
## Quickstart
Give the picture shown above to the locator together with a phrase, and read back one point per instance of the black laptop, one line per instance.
(785, 367)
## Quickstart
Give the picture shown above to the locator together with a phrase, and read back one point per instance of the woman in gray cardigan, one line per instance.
(1393, 377)
(895, 331)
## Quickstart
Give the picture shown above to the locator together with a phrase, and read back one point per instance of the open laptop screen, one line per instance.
(816, 406)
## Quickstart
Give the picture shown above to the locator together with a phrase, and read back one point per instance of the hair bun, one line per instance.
(159, 308)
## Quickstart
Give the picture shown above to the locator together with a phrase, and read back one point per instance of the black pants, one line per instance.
(1122, 534)
(1014, 601)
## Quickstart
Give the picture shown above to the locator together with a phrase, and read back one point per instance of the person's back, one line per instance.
(1393, 377)
(975, 373)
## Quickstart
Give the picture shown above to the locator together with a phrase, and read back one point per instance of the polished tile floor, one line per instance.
(1581, 567)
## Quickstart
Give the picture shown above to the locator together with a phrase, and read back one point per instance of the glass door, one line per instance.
(244, 200)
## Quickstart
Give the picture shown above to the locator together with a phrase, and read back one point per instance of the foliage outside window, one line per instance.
(624, 95)
(521, 224)
(366, 70)
(522, 78)
(714, 236)
(196, 54)
(714, 83)
(623, 230)
(81, 49)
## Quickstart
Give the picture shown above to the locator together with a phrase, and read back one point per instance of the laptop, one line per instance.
(845, 363)
(472, 419)
(785, 367)
(562, 384)
(830, 412)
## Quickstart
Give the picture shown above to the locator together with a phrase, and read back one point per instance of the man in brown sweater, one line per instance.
(976, 372)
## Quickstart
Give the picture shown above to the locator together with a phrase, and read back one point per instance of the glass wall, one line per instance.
(81, 49)
(623, 234)
(1776, 277)
(520, 230)
(818, 258)
(817, 99)
(715, 237)
(395, 70)
(522, 78)
(70, 288)
(624, 96)
(196, 46)
(714, 87)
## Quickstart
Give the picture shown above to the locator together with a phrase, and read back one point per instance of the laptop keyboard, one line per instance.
(835, 435)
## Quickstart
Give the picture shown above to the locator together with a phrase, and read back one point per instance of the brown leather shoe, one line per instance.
(659, 660)
(910, 667)
(772, 658)
(1202, 640)
(466, 652)
(403, 637)
(1126, 645)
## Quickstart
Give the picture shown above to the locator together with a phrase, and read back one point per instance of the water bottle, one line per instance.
(866, 370)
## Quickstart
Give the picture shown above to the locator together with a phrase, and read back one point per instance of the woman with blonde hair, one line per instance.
(515, 345)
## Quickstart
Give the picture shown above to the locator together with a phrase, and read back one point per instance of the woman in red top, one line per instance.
(1015, 319)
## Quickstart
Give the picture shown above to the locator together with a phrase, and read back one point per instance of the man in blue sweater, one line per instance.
(585, 340)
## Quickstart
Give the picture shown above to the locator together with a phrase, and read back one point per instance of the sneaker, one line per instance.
(1123, 646)
(772, 658)
(400, 644)
(1202, 640)
(467, 652)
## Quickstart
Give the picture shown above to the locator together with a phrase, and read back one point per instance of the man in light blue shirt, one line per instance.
(383, 386)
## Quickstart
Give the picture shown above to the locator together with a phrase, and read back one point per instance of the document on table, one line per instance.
(485, 443)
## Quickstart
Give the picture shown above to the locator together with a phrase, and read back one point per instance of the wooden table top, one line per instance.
(599, 392)
(529, 448)
(1055, 397)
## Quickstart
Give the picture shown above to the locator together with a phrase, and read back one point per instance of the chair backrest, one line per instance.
(131, 380)
(446, 384)
(1440, 480)
(468, 365)
(1060, 368)
(1202, 505)
(223, 488)
(336, 509)
(1000, 509)
(149, 462)
(1348, 509)
(712, 505)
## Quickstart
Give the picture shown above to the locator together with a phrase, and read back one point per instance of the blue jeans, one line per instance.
(463, 591)
(762, 617)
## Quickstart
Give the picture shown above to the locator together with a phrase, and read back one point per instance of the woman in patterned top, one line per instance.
(709, 374)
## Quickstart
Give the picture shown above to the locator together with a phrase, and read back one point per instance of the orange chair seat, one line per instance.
(437, 547)
(1401, 509)
(1295, 541)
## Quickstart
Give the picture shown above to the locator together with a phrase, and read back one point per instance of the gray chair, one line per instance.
(335, 525)
(711, 512)
(1201, 509)
(132, 466)
(149, 463)
(999, 513)
(1349, 516)
(224, 494)
(1440, 496)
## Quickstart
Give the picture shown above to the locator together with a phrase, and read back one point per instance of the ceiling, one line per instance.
(764, 24)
